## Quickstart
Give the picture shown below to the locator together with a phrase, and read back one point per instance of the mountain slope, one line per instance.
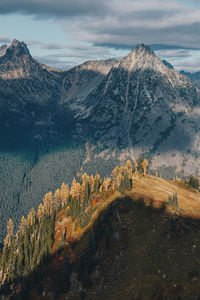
(37, 151)
(90, 118)
(133, 247)
(144, 106)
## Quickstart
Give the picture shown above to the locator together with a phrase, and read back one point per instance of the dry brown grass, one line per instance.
(155, 189)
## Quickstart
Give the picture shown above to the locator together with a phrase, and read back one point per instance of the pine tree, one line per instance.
(140, 166)
(86, 193)
(97, 183)
(73, 188)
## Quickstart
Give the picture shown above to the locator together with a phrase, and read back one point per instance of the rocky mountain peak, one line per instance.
(15, 53)
(142, 48)
(18, 48)
(142, 57)
(3, 49)
(15, 60)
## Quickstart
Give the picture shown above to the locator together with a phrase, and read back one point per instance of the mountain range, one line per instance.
(54, 123)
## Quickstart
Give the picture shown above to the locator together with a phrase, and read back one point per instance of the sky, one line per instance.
(64, 33)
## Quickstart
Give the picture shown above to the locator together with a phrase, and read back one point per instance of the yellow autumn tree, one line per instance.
(107, 183)
(9, 236)
(31, 217)
(57, 199)
(85, 178)
(48, 203)
(40, 212)
(22, 225)
(129, 168)
(64, 193)
(78, 191)
(116, 177)
(145, 166)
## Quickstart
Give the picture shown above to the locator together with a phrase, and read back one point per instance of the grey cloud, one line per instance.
(52, 46)
(4, 39)
(189, 66)
(52, 8)
(33, 42)
(55, 62)
(115, 24)
(43, 45)
(75, 54)
(118, 23)
(174, 53)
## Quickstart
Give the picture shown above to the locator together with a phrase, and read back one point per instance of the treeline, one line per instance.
(34, 238)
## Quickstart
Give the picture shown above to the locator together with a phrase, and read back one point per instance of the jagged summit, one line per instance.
(16, 43)
(143, 48)
(14, 56)
(18, 49)
(142, 57)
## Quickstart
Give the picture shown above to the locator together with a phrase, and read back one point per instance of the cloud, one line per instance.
(116, 23)
(55, 62)
(113, 25)
(52, 8)
(188, 66)
(52, 46)
(4, 39)
(182, 53)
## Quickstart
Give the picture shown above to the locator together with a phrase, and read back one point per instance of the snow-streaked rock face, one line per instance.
(142, 104)
(136, 105)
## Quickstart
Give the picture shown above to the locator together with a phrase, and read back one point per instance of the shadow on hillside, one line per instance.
(75, 268)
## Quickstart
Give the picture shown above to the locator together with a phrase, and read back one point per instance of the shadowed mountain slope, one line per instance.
(132, 248)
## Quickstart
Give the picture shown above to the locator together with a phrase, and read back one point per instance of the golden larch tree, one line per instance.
(73, 188)
(48, 203)
(129, 167)
(145, 166)
(64, 192)
(22, 225)
(10, 228)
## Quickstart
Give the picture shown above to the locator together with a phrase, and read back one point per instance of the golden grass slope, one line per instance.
(157, 190)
